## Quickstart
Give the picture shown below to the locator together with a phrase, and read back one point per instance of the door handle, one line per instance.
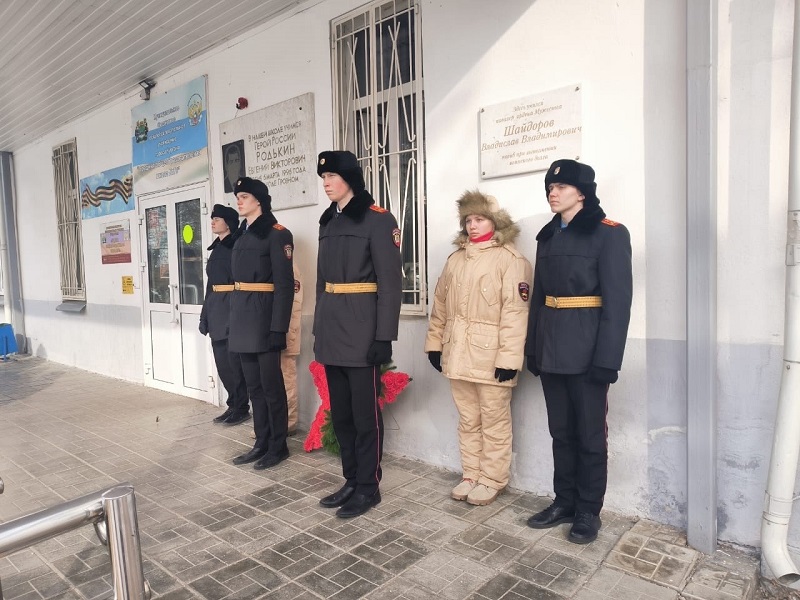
(173, 289)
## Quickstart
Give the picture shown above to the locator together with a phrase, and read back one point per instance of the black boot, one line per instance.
(249, 457)
(340, 497)
(358, 505)
(223, 416)
(551, 516)
(584, 529)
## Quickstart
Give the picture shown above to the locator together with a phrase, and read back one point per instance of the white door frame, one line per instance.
(179, 346)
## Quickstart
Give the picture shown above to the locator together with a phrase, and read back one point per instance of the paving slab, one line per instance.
(211, 530)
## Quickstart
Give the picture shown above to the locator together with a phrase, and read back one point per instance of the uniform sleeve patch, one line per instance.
(287, 251)
(610, 223)
(278, 226)
(296, 286)
(377, 208)
(396, 236)
(524, 290)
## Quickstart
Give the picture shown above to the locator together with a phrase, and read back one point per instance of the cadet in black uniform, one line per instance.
(216, 312)
(578, 324)
(359, 292)
(261, 305)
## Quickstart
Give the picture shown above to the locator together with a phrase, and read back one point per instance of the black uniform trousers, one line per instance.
(358, 423)
(229, 367)
(262, 372)
(576, 415)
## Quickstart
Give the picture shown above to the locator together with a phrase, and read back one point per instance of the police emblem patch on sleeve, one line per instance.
(287, 251)
(396, 236)
(296, 286)
(524, 290)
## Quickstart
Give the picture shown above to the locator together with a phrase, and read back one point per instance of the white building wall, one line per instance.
(629, 58)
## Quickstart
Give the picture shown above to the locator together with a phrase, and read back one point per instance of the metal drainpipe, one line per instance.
(786, 442)
(13, 307)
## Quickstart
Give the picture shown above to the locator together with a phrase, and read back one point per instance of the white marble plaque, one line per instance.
(528, 134)
(277, 145)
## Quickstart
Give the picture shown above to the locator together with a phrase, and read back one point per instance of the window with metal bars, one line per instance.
(68, 212)
(379, 116)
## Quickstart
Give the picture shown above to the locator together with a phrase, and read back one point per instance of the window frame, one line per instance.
(390, 170)
(66, 185)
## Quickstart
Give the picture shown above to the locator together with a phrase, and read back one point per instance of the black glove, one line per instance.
(379, 353)
(530, 362)
(504, 374)
(203, 328)
(601, 375)
(276, 341)
(435, 358)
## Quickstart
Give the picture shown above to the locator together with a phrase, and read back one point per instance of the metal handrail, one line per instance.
(112, 512)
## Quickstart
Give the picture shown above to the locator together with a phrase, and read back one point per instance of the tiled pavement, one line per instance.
(212, 530)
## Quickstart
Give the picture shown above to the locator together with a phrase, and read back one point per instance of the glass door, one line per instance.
(174, 237)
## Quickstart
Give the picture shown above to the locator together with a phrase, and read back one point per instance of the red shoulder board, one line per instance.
(610, 223)
(377, 208)
(278, 226)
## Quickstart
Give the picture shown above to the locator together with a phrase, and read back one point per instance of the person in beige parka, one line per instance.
(476, 338)
(290, 353)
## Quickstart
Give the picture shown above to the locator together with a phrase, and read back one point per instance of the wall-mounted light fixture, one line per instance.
(147, 85)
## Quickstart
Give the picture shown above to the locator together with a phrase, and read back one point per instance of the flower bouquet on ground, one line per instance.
(321, 434)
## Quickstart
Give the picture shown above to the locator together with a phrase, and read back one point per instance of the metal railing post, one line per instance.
(122, 530)
(113, 514)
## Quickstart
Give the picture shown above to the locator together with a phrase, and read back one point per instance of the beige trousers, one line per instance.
(484, 431)
(289, 370)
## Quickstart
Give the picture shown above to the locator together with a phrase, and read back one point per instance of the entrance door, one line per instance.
(174, 237)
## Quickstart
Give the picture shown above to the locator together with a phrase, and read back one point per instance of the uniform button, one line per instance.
(486, 345)
(484, 289)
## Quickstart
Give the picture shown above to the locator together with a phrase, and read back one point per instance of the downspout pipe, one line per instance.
(13, 307)
(786, 443)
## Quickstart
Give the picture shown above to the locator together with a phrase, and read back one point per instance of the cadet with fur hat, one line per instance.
(476, 338)
(580, 310)
(359, 293)
(215, 315)
(261, 307)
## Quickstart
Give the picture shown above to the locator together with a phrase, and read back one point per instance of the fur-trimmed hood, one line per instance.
(355, 209)
(473, 202)
(585, 221)
(260, 227)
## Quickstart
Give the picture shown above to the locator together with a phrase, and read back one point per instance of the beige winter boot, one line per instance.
(482, 495)
(462, 490)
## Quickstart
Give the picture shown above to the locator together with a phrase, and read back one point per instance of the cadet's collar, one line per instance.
(355, 209)
(585, 221)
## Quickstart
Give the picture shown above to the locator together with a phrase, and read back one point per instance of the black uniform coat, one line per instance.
(262, 254)
(360, 244)
(216, 307)
(590, 257)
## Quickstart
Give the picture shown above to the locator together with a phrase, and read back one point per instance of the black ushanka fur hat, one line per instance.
(345, 164)
(228, 214)
(575, 174)
(258, 189)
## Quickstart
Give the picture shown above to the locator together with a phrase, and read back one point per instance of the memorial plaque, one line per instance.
(526, 135)
(277, 145)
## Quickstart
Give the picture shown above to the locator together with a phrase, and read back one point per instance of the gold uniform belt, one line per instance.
(228, 287)
(573, 301)
(254, 287)
(351, 288)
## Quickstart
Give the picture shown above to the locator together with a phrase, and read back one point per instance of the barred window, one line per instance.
(68, 212)
(379, 116)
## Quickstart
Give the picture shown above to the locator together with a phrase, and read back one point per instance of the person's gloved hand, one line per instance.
(601, 375)
(530, 362)
(504, 374)
(435, 358)
(276, 341)
(379, 353)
